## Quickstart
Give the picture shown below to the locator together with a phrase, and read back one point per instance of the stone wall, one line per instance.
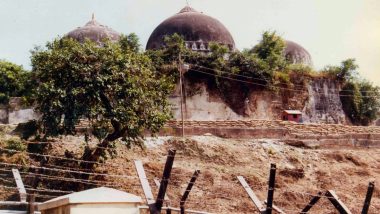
(324, 105)
(319, 103)
(15, 112)
(3, 114)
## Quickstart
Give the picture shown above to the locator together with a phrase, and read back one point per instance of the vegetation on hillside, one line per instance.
(264, 67)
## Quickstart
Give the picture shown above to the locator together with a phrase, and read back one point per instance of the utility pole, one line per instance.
(181, 86)
(182, 69)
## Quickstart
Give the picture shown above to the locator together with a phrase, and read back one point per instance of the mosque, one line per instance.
(197, 28)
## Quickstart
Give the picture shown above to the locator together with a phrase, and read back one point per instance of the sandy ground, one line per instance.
(301, 172)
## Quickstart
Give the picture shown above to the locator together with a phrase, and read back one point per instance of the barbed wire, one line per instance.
(49, 156)
(70, 171)
(37, 190)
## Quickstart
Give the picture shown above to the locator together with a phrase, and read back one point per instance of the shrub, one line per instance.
(282, 78)
(360, 101)
(15, 144)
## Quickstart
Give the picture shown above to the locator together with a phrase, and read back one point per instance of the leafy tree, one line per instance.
(345, 72)
(361, 101)
(271, 50)
(14, 81)
(130, 42)
(112, 86)
(370, 104)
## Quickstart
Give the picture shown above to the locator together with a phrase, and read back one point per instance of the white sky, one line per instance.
(331, 30)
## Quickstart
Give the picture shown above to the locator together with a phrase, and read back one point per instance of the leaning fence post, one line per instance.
(187, 191)
(312, 202)
(20, 185)
(168, 210)
(146, 187)
(272, 178)
(165, 180)
(338, 204)
(251, 194)
(368, 197)
(278, 209)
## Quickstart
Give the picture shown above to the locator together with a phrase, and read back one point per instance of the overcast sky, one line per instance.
(331, 30)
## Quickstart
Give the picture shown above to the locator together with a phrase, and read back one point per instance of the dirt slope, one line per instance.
(301, 172)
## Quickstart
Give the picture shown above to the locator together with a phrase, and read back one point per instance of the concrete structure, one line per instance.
(95, 201)
(292, 115)
(15, 112)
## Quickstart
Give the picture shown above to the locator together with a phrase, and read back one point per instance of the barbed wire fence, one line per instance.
(162, 201)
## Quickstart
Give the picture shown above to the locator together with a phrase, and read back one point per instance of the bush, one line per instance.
(360, 101)
(299, 68)
(345, 72)
(282, 78)
(15, 144)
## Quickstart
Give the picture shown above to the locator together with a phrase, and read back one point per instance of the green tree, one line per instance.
(130, 42)
(271, 50)
(345, 72)
(112, 86)
(14, 81)
(361, 101)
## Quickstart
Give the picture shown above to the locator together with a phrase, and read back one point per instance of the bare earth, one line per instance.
(301, 172)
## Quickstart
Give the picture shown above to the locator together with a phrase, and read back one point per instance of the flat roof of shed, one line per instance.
(101, 195)
(292, 111)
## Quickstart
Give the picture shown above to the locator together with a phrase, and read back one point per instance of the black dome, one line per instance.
(196, 28)
(94, 31)
(296, 54)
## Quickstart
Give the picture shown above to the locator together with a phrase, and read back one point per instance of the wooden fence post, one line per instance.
(146, 187)
(312, 202)
(165, 180)
(276, 208)
(31, 205)
(252, 195)
(368, 197)
(168, 210)
(187, 191)
(20, 185)
(272, 178)
(338, 204)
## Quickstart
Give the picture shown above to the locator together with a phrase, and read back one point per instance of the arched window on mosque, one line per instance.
(187, 45)
(202, 47)
(194, 46)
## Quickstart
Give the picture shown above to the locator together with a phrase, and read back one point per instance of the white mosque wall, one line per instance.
(202, 107)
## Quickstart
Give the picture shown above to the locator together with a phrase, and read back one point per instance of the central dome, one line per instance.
(197, 29)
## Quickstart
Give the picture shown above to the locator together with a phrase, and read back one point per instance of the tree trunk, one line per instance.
(95, 154)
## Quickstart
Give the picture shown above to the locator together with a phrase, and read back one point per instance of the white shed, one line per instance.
(95, 201)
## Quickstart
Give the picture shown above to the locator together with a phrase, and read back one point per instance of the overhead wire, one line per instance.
(264, 85)
(262, 79)
(253, 83)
